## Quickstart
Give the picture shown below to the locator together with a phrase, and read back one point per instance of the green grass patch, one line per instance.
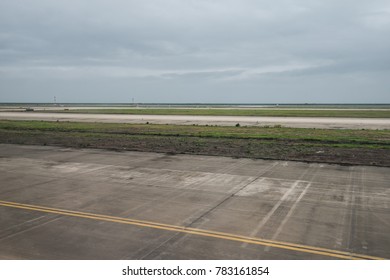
(363, 147)
(352, 113)
(370, 138)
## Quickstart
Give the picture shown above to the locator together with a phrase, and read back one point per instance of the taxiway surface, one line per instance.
(61, 203)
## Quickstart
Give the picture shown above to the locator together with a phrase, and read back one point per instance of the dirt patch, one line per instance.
(241, 148)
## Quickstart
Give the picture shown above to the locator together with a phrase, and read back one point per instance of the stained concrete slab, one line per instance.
(344, 208)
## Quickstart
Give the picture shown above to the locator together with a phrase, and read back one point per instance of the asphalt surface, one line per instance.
(59, 203)
(299, 122)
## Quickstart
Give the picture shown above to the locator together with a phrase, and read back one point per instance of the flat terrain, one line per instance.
(346, 111)
(331, 122)
(59, 203)
(364, 147)
(276, 112)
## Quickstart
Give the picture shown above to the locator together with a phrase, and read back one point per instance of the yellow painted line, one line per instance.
(195, 231)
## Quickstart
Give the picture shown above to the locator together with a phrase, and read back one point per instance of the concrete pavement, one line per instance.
(59, 203)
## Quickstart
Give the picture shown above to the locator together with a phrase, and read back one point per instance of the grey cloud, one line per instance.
(204, 50)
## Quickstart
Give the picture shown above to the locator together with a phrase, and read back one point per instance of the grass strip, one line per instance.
(369, 137)
(367, 147)
(350, 113)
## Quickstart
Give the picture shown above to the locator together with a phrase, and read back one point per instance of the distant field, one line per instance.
(298, 112)
(368, 147)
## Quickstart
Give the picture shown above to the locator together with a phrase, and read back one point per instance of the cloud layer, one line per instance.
(195, 51)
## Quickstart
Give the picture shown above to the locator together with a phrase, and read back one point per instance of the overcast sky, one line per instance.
(239, 51)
